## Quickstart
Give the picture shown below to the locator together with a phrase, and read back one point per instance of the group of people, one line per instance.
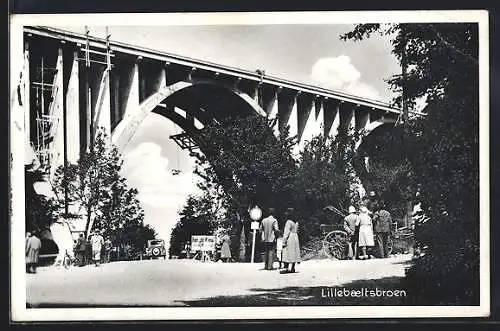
(367, 229)
(95, 250)
(286, 243)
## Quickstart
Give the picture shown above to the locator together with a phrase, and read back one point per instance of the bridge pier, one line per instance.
(331, 116)
(362, 118)
(130, 89)
(287, 112)
(346, 112)
(56, 109)
(306, 119)
(26, 89)
(101, 112)
(72, 100)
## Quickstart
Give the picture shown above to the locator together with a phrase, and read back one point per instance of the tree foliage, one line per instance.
(245, 159)
(325, 176)
(243, 164)
(41, 211)
(442, 64)
(95, 185)
(198, 217)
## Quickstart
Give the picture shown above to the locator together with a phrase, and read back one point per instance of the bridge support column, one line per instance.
(102, 112)
(273, 113)
(320, 116)
(132, 88)
(306, 119)
(331, 117)
(26, 91)
(73, 113)
(57, 146)
(347, 120)
(287, 112)
(362, 117)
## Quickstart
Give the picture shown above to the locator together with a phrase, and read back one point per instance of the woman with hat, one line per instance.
(291, 247)
(365, 232)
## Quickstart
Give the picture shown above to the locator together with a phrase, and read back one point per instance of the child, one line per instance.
(279, 250)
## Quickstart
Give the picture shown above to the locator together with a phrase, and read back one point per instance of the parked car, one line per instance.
(155, 248)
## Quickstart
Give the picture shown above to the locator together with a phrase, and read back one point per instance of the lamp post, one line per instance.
(255, 215)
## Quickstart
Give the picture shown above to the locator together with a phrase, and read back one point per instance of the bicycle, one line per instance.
(68, 261)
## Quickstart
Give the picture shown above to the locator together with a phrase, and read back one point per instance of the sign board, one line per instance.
(202, 243)
(254, 225)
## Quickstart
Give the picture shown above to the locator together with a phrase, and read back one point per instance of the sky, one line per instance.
(307, 53)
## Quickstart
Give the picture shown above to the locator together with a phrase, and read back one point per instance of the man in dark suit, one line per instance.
(269, 228)
(382, 221)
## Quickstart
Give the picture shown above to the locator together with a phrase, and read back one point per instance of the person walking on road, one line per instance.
(269, 228)
(33, 245)
(350, 226)
(80, 250)
(365, 232)
(97, 242)
(291, 247)
(382, 221)
(225, 251)
(108, 246)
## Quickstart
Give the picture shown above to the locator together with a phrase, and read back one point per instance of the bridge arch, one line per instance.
(203, 100)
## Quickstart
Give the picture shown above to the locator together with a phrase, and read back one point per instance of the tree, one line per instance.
(442, 61)
(132, 237)
(325, 176)
(251, 166)
(385, 170)
(94, 183)
(244, 164)
(198, 217)
(41, 211)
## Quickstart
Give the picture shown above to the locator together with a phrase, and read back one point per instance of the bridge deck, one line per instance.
(204, 65)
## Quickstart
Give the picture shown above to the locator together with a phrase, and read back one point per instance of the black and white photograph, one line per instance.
(249, 165)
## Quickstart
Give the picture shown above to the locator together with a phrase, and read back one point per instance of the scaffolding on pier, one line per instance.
(45, 88)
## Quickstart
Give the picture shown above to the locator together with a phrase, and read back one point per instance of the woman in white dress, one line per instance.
(365, 232)
(291, 246)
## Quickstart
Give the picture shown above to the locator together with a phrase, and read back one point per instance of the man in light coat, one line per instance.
(33, 245)
(97, 242)
(350, 226)
(269, 228)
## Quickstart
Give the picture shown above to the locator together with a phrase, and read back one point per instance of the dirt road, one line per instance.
(193, 283)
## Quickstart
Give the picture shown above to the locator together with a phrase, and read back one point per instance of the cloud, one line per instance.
(160, 192)
(338, 73)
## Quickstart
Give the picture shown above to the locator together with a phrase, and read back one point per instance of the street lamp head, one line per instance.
(255, 213)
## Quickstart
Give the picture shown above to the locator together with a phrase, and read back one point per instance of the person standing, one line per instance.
(33, 245)
(279, 251)
(225, 251)
(365, 232)
(269, 228)
(80, 250)
(350, 226)
(108, 245)
(291, 246)
(382, 221)
(97, 243)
